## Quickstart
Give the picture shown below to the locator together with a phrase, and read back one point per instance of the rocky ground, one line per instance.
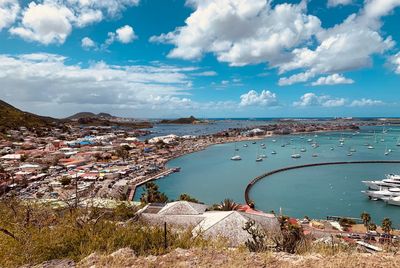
(227, 258)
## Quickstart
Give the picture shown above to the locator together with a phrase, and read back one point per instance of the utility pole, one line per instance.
(165, 236)
(76, 190)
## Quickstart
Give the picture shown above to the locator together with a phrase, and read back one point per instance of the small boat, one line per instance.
(349, 154)
(309, 140)
(259, 159)
(273, 152)
(283, 145)
(296, 156)
(386, 151)
(352, 150)
(332, 148)
(314, 155)
(236, 158)
(254, 142)
(371, 147)
(245, 145)
(273, 140)
(303, 150)
(263, 156)
(262, 144)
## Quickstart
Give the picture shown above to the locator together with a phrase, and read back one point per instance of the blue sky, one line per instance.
(209, 58)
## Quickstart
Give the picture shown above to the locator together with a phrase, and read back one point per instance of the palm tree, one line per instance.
(228, 205)
(366, 219)
(386, 225)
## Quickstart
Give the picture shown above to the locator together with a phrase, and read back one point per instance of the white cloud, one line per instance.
(311, 99)
(366, 102)
(206, 73)
(241, 32)
(45, 23)
(333, 79)
(125, 34)
(284, 36)
(46, 78)
(51, 21)
(88, 43)
(252, 98)
(346, 46)
(377, 8)
(395, 61)
(296, 78)
(9, 10)
(333, 3)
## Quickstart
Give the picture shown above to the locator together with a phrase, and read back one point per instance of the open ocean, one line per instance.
(210, 175)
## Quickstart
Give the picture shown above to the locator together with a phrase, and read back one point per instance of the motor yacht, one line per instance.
(382, 194)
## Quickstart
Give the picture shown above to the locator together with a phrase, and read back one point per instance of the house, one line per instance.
(211, 224)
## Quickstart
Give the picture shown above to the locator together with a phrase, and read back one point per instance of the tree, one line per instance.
(186, 197)
(122, 152)
(386, 225)
(65, 180)
(366, 219)
(152, 194)
(372, 226)
(227, 205)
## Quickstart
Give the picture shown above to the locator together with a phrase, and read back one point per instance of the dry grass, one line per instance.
(238, 258)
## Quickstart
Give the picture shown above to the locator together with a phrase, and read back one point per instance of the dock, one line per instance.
(140, 181)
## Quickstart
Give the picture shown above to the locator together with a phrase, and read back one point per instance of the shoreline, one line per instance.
(226, 141)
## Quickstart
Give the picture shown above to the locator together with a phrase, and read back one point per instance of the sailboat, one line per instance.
(236, 157)
(295, 155)
(258, 158)
(341, 140)
(386, 150)
(398, 141)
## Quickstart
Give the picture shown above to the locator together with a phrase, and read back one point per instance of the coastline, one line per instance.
(224, 141)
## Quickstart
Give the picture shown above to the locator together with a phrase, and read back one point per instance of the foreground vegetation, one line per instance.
(33, 233)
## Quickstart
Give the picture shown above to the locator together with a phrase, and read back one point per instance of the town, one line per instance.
(107, 162)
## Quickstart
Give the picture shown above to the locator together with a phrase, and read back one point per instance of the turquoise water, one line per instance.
(211, 176)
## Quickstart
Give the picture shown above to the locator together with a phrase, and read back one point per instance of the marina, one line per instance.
(209, 174)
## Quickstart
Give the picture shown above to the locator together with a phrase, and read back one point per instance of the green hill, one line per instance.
(11, 117)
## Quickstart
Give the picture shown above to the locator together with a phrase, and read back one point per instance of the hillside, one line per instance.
(11, 117)
(81, 115)
(187, 120)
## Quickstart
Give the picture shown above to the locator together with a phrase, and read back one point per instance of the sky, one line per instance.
(207, 58)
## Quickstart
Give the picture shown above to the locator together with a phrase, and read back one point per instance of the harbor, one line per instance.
(338, 187)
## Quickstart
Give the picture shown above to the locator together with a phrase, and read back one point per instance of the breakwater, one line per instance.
(267, 174)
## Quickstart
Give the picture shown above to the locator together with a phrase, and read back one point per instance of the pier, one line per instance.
(258, 178)
(141, 181)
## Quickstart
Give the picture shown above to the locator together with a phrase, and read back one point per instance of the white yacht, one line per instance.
(303, 150)
(392, 180)
(371, 147)
(383, 194)
(236, 158)
(296, 156)
(393, 200)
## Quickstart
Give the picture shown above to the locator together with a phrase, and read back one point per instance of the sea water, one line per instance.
(210, 175)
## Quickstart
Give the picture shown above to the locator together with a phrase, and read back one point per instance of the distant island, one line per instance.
(184, 121)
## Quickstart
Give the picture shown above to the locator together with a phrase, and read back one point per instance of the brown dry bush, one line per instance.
(33, 233)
